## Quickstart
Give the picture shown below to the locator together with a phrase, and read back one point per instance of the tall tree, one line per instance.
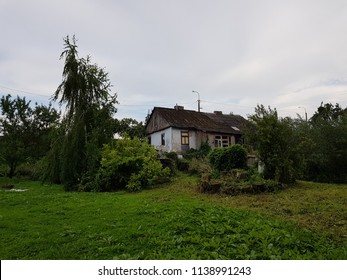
(25, 131)
(130, 127)
(85, 90)
(275, 142)
(328, 133)
(14, 123)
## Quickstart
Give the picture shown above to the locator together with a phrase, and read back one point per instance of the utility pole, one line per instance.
(198, 99)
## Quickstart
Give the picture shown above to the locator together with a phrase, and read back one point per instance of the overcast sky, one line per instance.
(236, 54)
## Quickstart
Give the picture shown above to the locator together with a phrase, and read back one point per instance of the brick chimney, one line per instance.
(177, 107)
(218, 112)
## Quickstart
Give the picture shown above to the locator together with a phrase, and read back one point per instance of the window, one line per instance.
(222, 141)
(149, 140)
(225, 141)
(217, 141)
(163, 139)
(184, 138)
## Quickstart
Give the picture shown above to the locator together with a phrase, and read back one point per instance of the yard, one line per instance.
(173, 221)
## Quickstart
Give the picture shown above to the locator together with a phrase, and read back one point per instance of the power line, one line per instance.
(24, 91)
(228, 104)
(154, 105)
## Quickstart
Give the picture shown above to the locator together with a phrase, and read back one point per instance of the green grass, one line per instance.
(169, 222)
(314, 206)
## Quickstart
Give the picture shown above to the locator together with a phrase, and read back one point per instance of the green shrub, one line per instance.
(169, 163)
(279, 143)
(25, 170)
(183, 165)
(198, 167)
(31, 170)
(200, 153)
(191, 153)
(172, 155)
(225, 159)
(215, 158)
(235, 182)
(130, 164)
(170, 160)
(204, 149)
(4, 169)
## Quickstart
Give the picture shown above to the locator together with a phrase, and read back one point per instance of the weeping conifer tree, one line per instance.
(87, 125)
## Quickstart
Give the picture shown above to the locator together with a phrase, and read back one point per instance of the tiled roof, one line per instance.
(209, 122)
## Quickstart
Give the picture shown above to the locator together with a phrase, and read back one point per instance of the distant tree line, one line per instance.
(298, 149)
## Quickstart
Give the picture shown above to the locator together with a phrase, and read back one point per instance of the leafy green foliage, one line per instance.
(183, 164)
(292, 149)
(275, 141)
(25, 131)
(224, 159)
(236, 182)
(85, 85)
(200, 153)
(326, 152)
(130, 164)
(88, 124)
(130, 127)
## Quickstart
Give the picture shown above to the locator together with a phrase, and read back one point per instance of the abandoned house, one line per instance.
(178, 130)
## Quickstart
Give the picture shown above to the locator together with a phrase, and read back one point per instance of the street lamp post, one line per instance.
(198, 99)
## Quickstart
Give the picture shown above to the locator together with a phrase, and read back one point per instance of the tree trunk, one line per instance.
(12, 170)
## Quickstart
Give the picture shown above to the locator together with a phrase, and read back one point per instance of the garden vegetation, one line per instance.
(82, 209)
(72, 149)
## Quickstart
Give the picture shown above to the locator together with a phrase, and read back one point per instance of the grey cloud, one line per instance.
(237, 54)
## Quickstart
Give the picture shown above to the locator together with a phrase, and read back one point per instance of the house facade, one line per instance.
(178, 130)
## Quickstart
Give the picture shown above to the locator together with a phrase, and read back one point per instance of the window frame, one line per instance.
(222, 141)
(184, 137)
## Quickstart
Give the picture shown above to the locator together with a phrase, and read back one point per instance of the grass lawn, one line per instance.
(173, 221)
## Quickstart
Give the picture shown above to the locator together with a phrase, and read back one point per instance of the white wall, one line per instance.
(156, 140)
(193, 140)
(172, 140)
(176, 139)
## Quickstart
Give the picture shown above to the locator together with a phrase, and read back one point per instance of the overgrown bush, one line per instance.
(172, 155)
(277, 144)
(237, 181)
(31, 169)
(183, 165)
(130, 164)
(224, 159)
(4, 169)
(169, 163)
(200, 153)
(193, 166)
(28, 170)
(170, 160)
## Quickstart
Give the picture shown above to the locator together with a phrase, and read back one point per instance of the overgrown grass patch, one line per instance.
(171, 222)
(317, 207)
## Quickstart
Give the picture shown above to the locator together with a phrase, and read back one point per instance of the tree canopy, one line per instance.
(295, 149)
(276, 144)
(327, 160)
(25, 131)
(130, 127)
(88, 123)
